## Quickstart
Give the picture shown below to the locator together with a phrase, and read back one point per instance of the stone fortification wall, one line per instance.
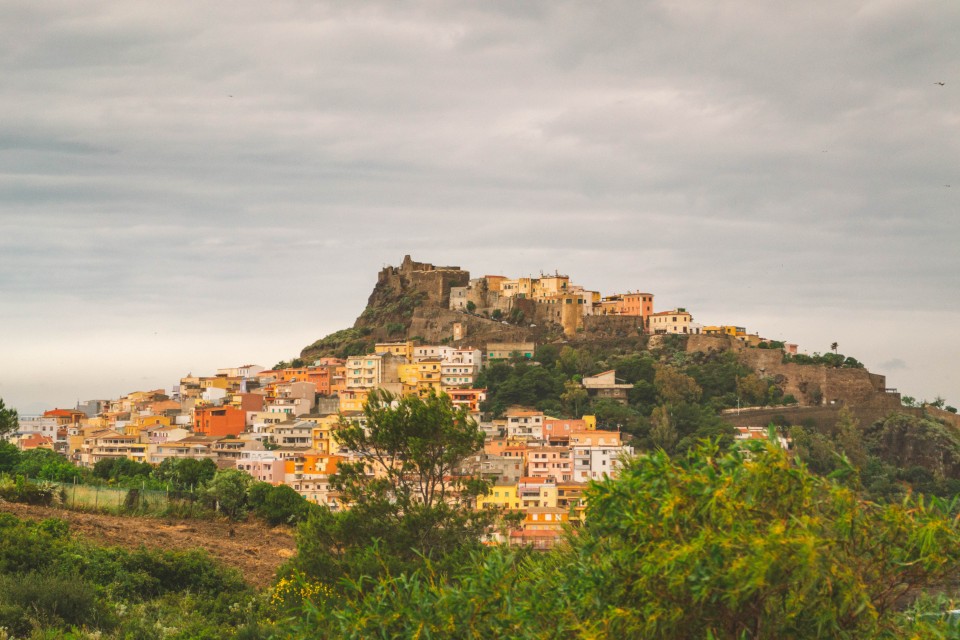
(706, 344)
(435, 326)
(811, 385)
(412, 278)
(817, 384)
(611, 326)
(825, 418)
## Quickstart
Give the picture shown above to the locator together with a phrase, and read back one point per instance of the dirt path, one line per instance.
(255, 548)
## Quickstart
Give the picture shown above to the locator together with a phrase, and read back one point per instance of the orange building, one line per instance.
(637, 304)
(558, 431)
(219, 421)
(469, 398)
(65, 417)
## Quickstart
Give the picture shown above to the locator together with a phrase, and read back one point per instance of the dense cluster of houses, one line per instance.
(554, 298)
(279, 425)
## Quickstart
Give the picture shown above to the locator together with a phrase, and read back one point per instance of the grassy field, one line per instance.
(82, 497)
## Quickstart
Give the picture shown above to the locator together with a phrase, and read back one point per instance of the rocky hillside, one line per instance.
(412, 302)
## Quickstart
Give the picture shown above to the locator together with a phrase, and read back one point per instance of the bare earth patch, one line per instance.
(255, 548)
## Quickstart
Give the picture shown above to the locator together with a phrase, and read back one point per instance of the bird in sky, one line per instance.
(940, 83)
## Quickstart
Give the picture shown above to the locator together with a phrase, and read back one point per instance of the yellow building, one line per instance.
(321, 434)
(547, 286)
(519, 288)
(733, 332)
(402, 349)
(536, 493)
(353, 400)
(503, 496)
(678, 321)
(419, 378)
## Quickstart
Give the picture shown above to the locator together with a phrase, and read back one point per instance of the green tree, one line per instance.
(277, 504)
(719, 546)
(575, 362)
(403, 492)
(227, 492)
(574, 397)
(752, 391)
(674, 386)
(662, 433)
(726, 546)
(850, 439)
(186, 472)
(44, 464)
(9, 420)
(9, 457)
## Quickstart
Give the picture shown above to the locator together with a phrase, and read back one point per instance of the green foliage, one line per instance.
(50, 583)
(909, 441)
(277, 504)
(342, 344)
(708, 545)
(726, 544)
(414, 508)
(121, 468)
(9, 457)
(9, 420)
(44, 464)
(227, 492)
(185, 473)
(49, 600)
(835, 360)
(674, 386)
(394, 328)
(471, 306)
(18, 489)
(519, 383)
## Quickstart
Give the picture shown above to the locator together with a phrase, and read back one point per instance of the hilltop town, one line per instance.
(435, 330)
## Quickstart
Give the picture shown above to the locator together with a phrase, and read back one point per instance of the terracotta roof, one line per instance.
(34, 440)
(536, 533)
(62, 413)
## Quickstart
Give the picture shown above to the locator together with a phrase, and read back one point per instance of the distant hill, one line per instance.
(413, 302)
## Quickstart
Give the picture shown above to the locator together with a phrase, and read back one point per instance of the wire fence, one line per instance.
(124, 500)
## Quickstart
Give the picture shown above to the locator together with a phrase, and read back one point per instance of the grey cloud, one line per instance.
(896, 364)
(749, 159)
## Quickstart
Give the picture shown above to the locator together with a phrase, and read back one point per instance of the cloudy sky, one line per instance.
(191, 185)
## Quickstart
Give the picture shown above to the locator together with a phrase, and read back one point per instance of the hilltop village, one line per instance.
(280, 424)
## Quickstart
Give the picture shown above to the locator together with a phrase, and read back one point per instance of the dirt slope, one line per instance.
(255, 548)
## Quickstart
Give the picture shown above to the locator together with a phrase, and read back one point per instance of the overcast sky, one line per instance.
(192, 185)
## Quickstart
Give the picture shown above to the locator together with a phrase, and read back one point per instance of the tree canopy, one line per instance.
(712, 545)
(403, 492)
(9, 419)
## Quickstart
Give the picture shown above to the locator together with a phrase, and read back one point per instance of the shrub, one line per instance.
(47, 599)
(277, 505)
(20, 490)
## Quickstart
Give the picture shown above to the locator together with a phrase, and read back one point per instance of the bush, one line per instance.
(227, 492)
(731, 546)
(277, 505)
(20, 490)
(47, 599)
